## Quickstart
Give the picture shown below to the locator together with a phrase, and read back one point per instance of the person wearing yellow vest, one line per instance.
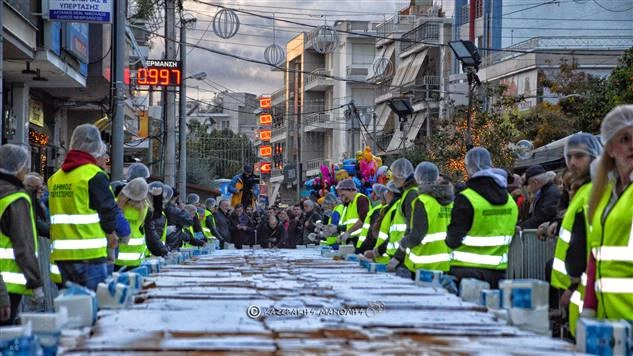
(402, 177)
(367, 239)
(156, 221)
(133, 201)
(193, 235)
(209, 219)
(424, 247)
(83, 212)
(327, 229)
(388, 216)
(570, 257)
(18, 238)
(356, 208)
(609, 293)
(483, 222)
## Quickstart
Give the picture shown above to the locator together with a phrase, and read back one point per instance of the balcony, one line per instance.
(388, 30)
(386, 92)
(357, 71)
(424, 88)
(313, 166)
(382, 141)
(279, 133)
(426, 34)
(317, 80)
(317, 122)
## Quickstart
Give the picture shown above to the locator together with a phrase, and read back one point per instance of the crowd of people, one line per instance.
(418, 219)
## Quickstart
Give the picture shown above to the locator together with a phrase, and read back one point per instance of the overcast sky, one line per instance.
(255, 34)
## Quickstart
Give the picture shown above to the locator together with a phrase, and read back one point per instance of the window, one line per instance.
(225, 124)
(362, 53)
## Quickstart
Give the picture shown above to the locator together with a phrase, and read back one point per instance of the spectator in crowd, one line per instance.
(19, 268)
(310, 218)
(431, 214)
(474, 236)
(547, 196)
(294, 231)
(271, 233)
(133, 202)
(156, 221)
(83, 212)
(34, 185)
(244, 228)
(177, 221)
(223, 222)
(610, 268)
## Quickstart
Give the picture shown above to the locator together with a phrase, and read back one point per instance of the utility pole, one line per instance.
(170, 95)
(182, 130)
(119, 114)
(374, 129)
(298, 133)
(1, 69)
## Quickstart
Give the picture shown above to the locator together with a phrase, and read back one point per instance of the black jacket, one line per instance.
(545, 207)
(419, 221)
(177, 217)
(223, 225)
(370, 239)
(462, 214)
(269, 237)
(154, 226)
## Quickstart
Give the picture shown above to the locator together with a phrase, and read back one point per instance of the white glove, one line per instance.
(313, 237)
(344, 237)
(37, 299)
(329, 230)
(318, 224)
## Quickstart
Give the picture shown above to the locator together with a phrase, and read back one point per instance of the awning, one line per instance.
(401, 70)
(414, 68)
(382, 115)
(411, 129)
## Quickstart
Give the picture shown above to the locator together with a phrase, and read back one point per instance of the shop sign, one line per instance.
(36, 113)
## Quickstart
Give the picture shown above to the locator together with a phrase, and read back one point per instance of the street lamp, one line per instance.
(466, 52)
(402, 108)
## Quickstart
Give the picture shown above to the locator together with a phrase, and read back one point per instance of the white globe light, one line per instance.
(523, 149)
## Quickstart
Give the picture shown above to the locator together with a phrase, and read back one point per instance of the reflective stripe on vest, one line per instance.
(130, 256)
(487, 242)
(140, 241)
(613, 253)
(367, 225)
(614, 285)
(397, 229)
(75, 228)
(54, 269)
(74, 219)
(559, 277)
(351, 214)
(12, 275)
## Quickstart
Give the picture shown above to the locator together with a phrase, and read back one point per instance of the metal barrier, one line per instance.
(528, 256)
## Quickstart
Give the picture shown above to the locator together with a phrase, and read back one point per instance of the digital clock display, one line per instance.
(159, 73)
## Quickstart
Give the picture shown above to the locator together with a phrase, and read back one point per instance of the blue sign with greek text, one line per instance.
(95, 11)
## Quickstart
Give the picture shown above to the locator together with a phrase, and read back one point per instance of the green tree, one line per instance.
(213, 154)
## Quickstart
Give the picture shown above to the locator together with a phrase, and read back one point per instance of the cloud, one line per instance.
(255, 34)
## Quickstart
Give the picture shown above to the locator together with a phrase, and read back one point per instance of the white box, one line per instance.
(490, 298)
(535, 320)
(604, 337)
(377, 267)
(82, 309)
(524, 293)
(50, 323)
(112, 295)
(346, 249)
(470, 289)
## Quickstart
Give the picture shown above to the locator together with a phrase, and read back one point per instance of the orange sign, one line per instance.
(265, 135)
(265, 167)
(265, 102)
(265, 119)
(265, 151)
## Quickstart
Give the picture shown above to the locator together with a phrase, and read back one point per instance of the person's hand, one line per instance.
(113, 240)
(5, 313)
(37, 299)
(552, 230)
(318, 225)
(541, 231)
(588, 313)
(565, 298)
(343, 238)
(111, 254)
(369, 254)
(393, 264)
(518, 230)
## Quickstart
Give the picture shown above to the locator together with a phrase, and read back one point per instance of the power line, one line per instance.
(611, 10)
